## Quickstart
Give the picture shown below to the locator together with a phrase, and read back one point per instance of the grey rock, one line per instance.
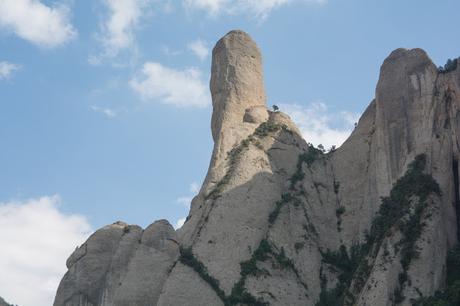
(121, 265)
(258, 196)
(3, 302)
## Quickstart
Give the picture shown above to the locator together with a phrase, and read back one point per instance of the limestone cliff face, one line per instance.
(279, 222)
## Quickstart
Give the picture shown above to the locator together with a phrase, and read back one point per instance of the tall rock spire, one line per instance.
(238, 98)
(236, 80)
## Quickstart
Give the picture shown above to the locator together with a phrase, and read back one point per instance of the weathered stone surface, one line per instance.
(272, 207)
(256, 114)
(236, 81)
(120, 265)
(3, 303)
(185, 287)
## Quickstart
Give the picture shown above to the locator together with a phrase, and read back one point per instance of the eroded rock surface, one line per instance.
(120, 265)
(279, 222)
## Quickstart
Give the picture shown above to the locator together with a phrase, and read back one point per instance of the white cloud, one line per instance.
(259, 8)
(6, 69)
(179, 223)
(37, 23)
(199, 48)
(320, 126)
(182, 88)
(194, 187)
(212, 6)
(117, 32)
(108, 112)
(185, 201)
(36, 239)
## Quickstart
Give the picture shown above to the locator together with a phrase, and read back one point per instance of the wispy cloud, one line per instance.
(108, 112)
(259, 8)
(6, 69)
(37, 238)
(117, 32)
(319, 125)
(181, 88)
(186, 201)
(213, 7)
(199, 48)
(194, 188)
(42, 25)
(179, 223)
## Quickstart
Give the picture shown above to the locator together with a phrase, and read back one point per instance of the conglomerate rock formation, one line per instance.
(280, 222)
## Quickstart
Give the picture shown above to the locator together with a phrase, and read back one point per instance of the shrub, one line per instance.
(285, 198)
(298, 246)
(284, 261)
(414, 183)
(336, 187)
(451, 65)
(451, 295)
(239, 296)
(268, 127)
(187, 258)
(264, 129)
(340, 211)
(307, 157)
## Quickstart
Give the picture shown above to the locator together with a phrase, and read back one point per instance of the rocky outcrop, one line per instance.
(120, 265)
(3, 303)
(280, 222)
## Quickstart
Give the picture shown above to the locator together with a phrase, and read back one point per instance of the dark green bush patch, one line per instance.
(394, 212)
(450, 296)
(263, 130)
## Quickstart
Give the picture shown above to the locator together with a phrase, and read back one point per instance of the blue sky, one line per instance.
(104, 104)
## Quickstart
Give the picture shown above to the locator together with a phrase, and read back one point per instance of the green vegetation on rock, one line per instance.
(285, 198)
(395, 212)
(451, 65)
(307, 157)
(339, 212)
(4, 303)
(263, 130)
(187, 258)
(238, 295)
(451, 295)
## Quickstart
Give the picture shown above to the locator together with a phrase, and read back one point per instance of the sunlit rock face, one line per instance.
(279, 222)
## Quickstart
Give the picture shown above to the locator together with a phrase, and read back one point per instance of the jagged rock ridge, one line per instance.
(279, 222)
(3, 302)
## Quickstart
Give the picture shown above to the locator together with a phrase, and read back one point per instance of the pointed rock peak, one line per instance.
(236, 80)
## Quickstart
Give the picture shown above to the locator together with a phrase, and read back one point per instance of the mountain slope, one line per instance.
(279, 222)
